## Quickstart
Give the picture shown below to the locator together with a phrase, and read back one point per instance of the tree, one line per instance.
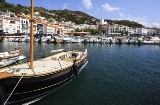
(87, 30)
(126, 32)
(94, 31)
(103, 31)
(121, 31)
(78, 30)
(2, 1)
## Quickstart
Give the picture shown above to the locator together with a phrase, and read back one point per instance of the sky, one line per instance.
(145, 12)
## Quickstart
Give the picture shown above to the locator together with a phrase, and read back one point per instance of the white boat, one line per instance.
(76, 39)
(66, 38)
(43, 39)
(86, 39)
(8, 58)
(12, 39)
(94, 40)
(152, 40)
(26, 39)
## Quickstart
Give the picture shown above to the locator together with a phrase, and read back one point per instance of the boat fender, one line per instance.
(1, 95)
(75, 69)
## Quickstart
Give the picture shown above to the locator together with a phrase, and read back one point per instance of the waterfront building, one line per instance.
(40, 28)
(113, 30)
(141, 31)
(24, 26)
(118, 29)
(103, 27)
(50, 30)
(10, 23)
(126, 29)
(66, 29)
(152, 31)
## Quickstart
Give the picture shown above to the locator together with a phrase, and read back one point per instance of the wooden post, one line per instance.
(31, 35)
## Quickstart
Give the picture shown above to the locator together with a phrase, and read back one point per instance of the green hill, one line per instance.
(77, 17)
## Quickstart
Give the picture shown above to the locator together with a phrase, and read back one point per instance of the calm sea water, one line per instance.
(114, 75)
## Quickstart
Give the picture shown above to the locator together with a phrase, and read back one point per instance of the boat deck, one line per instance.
(41, 66)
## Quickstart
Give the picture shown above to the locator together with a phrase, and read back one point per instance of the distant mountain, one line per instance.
(77, 17)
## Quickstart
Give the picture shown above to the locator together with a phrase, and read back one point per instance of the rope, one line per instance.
(14, 89)
(30, 68)
(59, 63)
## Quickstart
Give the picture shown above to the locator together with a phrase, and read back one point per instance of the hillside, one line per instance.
(77, 17)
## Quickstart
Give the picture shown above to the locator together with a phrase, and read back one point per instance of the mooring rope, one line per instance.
(31, 68)
(14, 89)
(59, 63)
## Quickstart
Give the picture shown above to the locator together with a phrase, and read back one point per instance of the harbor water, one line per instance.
(115, 74)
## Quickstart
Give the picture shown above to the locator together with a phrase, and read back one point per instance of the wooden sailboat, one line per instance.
(29, 81)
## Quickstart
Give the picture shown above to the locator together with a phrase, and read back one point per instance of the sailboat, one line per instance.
(36, 79)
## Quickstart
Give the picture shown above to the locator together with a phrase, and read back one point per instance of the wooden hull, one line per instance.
(34, 87)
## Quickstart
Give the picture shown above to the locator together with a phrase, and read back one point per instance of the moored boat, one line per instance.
(8, 58)
(152, 40)
(49, 74)
(66, 38)
(33, 80)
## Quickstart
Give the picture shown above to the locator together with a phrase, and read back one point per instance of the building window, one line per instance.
(13, 22)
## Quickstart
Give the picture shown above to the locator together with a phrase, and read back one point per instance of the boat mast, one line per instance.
(31, 35)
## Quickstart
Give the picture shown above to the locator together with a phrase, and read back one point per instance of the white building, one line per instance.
(25, 26)
(152, 31)
(66, 29)
(50, 30)
(103, 22)
(126, 29)
(113, 30)
(141, 31)
(10, 23)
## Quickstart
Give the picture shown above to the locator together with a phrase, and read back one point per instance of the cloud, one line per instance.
(156, 25)
(97, 10)
(121, 15)
(65, 6)
(81, 9)
(48, 5)
(108, 8)
(150, 24)
(87, 4)
(128, 17)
